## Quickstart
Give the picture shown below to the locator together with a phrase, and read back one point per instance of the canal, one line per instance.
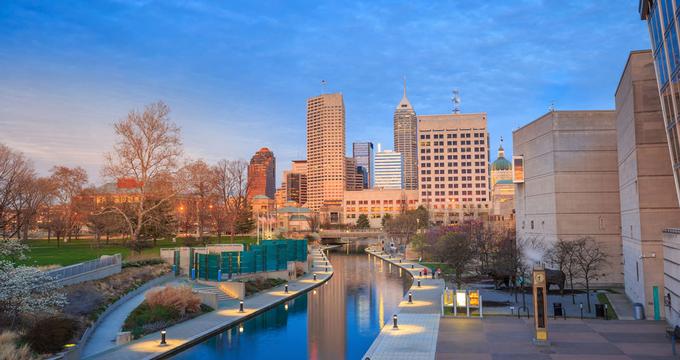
(339, 320)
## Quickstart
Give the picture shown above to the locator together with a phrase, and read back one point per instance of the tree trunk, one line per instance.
(588, 292)
(571, 282)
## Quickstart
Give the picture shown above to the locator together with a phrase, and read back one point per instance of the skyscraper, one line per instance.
(325, 150)
(262, 174)
(389, 172)
(296, 182)
(354, 175)
(405, 140)
(363, 153)
(454, 153)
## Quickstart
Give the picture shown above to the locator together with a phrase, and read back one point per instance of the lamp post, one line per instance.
(418, 282)
(240, 306)
(410, 297)
(163, 342)
(314, 276)
(394, 321)
(285, 288)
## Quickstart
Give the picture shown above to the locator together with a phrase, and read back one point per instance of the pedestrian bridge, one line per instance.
(347, 235)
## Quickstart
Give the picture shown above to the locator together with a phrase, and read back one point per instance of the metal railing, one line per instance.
(84, 267)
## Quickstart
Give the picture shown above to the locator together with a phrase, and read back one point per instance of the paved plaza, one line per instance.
(416, 336)
(510, 338)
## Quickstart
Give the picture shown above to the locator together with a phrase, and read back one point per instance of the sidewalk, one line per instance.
(195, 330)
(418, 323)
(104, 336)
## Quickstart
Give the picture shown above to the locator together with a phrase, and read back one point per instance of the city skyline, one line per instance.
(54, 55)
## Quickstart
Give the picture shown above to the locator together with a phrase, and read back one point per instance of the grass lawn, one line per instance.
(446, 269)
(75, 251)
(603, 299)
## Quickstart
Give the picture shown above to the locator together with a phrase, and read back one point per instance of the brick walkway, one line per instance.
(510, 338)
(416, 337)
(197, 329)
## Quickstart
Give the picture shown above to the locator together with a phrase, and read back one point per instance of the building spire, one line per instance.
(404, 77)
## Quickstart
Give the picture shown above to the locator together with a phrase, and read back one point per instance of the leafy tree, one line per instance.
(423, 217)
(13, 250)
(244, 221)
(362, 222)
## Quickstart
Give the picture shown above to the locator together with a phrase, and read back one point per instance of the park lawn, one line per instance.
(603, 299)
(75, 251)
(446, 269)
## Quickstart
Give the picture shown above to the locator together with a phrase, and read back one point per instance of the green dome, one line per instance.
(501, 164)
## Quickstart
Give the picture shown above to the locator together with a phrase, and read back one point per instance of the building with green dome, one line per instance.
(502, 189)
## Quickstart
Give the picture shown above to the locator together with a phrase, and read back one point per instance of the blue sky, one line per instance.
(237, 73)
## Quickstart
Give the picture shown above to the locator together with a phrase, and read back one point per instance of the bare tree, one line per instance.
(34, 194)
(590, 260)
(314, 222)
(14, 171)
(147, 151)
(200, 181)
(563, 255)
(455, 249)
(68, 184)
(231, 183)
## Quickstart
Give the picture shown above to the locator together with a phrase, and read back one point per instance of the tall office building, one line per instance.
(325, 150)
(405, 140)
(363, 154)
(262, 174)
(663, 31)
(453, 158)
(389, 170)
(296, 182)
(354, 175)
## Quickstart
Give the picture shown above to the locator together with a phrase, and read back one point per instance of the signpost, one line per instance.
(540, 306)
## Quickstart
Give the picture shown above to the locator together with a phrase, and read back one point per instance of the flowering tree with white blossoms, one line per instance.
(25, 289)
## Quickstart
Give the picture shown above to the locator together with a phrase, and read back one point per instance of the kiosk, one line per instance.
(540, 292)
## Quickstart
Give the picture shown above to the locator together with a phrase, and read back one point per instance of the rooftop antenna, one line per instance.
(404, 78)
(323, 85)
(456, 101)
(552, 106)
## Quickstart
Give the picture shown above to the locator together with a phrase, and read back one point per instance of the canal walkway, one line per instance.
(190, 332)
(418, 322)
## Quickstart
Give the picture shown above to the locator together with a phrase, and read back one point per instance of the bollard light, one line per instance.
(285, 288)
(580, 306)
(314, 276)
(420, 273)
(606, 312)
(418, 282)
(163, 337)
(240, 306)
(413, 266)
(410, 297)
(326, 269)
(394, 321)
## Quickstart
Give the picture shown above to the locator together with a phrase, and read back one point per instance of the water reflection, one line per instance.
(340, 321)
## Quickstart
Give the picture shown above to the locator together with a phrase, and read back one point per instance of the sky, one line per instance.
(236, 74)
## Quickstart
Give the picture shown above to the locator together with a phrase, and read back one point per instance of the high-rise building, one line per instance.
(354, 175)
(570, 188)
(663, 32)
(388, 169)
(646, 186)
(363, 154)
(325, 150)
(453, 152)
(406, 141)
(296, 182)
(262, 174)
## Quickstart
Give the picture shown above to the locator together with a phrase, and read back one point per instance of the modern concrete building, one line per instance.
(453, 152)
(405, 140)
(663, 28)
(388, 169)
(262, 174)
(363, 154)
(502, 191)
(645, 182)
(325, 150)
(571, 187)
(376, 203)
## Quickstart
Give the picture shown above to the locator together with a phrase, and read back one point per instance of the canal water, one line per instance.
(338, 321)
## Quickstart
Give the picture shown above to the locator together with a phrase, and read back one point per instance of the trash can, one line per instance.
(638, 311)
(599, 310)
